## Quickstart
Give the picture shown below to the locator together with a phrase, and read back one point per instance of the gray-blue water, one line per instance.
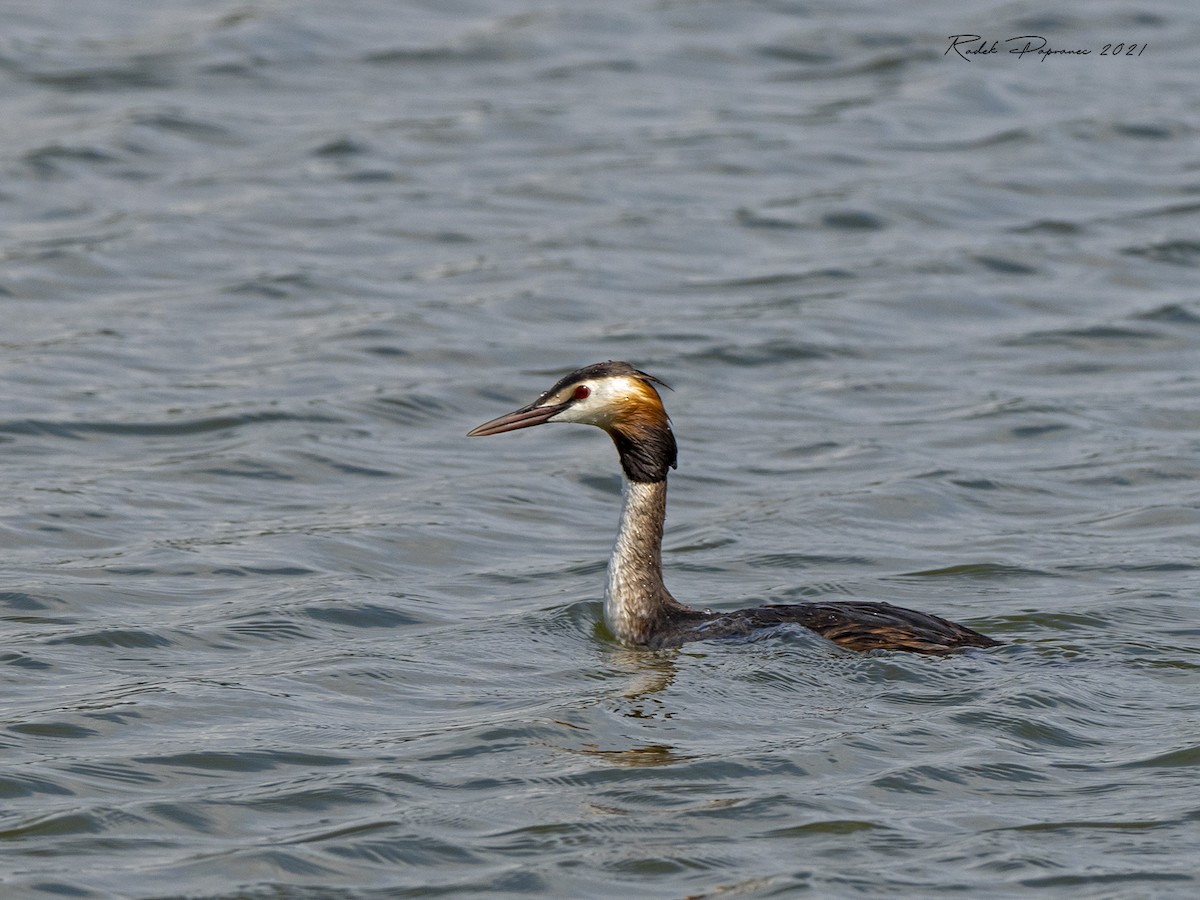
(272, 627)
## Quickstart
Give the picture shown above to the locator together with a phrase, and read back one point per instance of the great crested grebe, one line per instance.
(638, 608)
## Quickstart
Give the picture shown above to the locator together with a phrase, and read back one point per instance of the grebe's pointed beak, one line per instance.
(525, 417)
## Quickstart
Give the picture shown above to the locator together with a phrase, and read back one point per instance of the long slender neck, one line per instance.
(637, 606)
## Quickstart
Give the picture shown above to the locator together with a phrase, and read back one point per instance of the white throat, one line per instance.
(636, 597)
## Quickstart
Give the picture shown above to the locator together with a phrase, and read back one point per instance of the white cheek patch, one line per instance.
(606, 402)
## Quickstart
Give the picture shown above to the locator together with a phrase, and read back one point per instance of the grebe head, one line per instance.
(613, 396)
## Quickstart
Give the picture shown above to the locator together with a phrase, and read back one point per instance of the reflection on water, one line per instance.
(650, 673)
(639, 757)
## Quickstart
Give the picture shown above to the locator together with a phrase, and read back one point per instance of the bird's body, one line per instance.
(638, 608)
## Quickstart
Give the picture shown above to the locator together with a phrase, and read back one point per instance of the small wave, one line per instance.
(82, 429)
(125, 638)
(1176, 253)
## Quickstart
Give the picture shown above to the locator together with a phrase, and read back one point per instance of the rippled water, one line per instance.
(273, 627)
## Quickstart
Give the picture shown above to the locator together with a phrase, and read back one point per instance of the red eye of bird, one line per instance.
(582, 392)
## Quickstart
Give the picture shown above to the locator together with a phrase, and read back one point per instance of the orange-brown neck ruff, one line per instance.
(643, 437)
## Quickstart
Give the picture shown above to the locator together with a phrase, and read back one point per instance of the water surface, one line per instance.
(273, 627)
